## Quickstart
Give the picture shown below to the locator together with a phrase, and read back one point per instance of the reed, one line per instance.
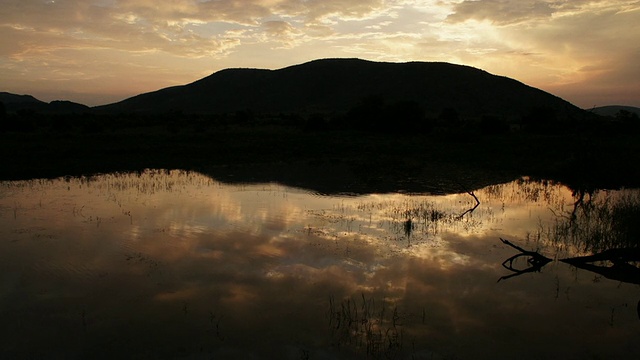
(602, 222)
(366, 327)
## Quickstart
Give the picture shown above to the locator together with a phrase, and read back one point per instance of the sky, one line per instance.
(101, 51)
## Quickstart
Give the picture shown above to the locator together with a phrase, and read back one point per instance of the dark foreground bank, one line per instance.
(321, 157)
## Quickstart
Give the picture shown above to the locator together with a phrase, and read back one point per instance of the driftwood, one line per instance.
(535, 261)
(616, 256)
(472, 209)
(621, 270)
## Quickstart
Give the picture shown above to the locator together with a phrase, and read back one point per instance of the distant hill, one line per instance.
(61, 106)
(14, 103)
(336, 85)
(9, 98)
(612, 110)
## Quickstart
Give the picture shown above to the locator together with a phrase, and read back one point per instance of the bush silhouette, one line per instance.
(244, 117)
(373, 115)
(628, 119)
(493, 125)
(541, 119)
(316, 122)
(368, 115)
(449, 117)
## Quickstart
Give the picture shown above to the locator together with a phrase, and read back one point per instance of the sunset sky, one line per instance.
(101, 51)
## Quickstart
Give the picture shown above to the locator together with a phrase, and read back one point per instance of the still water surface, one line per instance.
(177, 265)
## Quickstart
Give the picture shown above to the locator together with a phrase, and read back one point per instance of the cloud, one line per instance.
(504, 12)
(78, 24)
(501, 11)
(249, 12)
(277, 28)
(600, 57)
(613, 81)
(546, 43)
(575, 49)
(282, 33)
(172, 26)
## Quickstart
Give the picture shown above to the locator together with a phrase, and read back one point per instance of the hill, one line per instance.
(14, 103)
(63, 106)
(337, 85)
(613, 110)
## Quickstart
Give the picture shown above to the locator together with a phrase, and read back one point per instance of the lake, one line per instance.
(174, 264)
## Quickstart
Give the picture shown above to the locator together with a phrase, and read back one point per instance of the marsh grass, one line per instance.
(429, 219)
(604, 221)
(366, 327)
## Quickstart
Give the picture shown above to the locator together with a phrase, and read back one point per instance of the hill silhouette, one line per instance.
(467, 119)
(337, 85)
(613, 110)
(16, 103)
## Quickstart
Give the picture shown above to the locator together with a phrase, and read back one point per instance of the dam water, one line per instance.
(174, 264)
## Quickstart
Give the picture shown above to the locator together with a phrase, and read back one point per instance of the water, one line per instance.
(177, 265)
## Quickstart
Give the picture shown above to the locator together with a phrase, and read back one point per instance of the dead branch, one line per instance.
(535, 261)
(468, 211)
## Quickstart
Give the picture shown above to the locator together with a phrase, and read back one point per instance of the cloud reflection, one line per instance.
(200, 266)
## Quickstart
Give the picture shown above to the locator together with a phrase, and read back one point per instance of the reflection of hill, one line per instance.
(348, 178)
(336, 85)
